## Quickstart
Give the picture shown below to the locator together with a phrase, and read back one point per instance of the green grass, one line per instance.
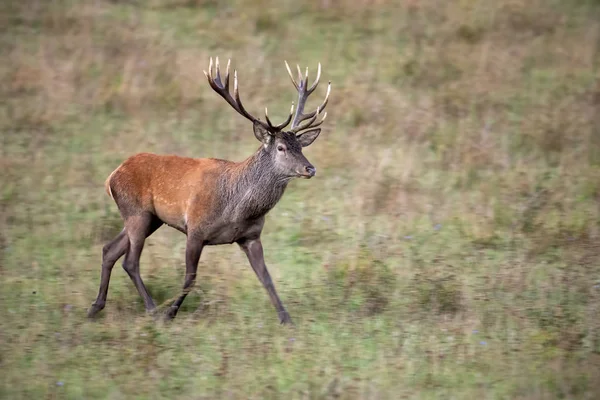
(446, 249)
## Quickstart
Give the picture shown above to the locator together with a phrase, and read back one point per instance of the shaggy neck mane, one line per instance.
(253, 186)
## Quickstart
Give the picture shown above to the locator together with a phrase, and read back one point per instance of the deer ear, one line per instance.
(262, 134)
(306, 138)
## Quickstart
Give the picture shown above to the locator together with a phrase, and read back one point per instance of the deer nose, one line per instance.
(310, 170)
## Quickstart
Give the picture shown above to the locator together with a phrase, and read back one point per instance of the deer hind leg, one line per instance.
(111, 252)
(138, 228)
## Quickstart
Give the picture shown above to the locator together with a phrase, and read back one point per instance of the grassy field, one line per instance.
(448, 247)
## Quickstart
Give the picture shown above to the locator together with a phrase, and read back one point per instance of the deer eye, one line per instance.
(280, 148)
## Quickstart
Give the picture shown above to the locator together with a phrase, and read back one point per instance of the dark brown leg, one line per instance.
(111, 252)
(139, 227)
(254, 250)
(193, 250)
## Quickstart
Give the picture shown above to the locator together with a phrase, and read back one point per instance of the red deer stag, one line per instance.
(212, 201)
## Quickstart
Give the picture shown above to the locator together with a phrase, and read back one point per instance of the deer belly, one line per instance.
(223, 235)
(228, 233)
(171, 217)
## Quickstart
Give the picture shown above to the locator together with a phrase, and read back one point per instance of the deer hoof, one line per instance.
(285, 319)
(171, 313)
(94, 309)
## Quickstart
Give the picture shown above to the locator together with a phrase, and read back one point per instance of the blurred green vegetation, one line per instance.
(448, 247)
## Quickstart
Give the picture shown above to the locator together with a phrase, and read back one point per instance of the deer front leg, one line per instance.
(254, 251)
(193, 250)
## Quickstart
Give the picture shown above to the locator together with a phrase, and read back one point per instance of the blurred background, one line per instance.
(448, 246)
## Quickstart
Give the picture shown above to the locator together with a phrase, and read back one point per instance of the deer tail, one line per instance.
(107, 184)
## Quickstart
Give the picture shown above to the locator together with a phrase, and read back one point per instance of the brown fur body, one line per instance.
(217, 200)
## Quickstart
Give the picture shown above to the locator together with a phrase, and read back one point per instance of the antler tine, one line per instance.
(217, 72)
(287, 120)
(316, 82)
(236, 93)
(291, 75)
(307, 124)
(311, 123)
(211, 81)
(284, 123)
(303, 93)
(321, 107)
(208, 74)
(218, 75)
(227, 75)
(302, 82)
(320, 122)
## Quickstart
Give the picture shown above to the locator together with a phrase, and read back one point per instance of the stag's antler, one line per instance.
(222, 88)
(303, 94)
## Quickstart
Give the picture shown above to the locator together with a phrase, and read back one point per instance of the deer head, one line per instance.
(282, 147)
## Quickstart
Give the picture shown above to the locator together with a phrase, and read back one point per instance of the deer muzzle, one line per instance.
(309, 172)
